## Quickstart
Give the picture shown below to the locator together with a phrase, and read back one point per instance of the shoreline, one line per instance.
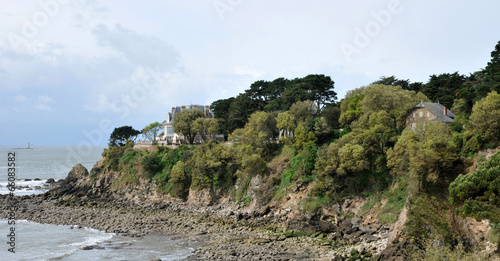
(212, 235)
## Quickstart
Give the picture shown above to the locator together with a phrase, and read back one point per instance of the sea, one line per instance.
(34, 241)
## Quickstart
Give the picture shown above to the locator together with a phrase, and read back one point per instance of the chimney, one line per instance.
(444, 110)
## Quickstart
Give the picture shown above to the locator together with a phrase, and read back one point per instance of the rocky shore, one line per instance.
(223, 231)
(215, 233)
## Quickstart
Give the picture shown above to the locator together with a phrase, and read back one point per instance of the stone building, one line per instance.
(429, 112)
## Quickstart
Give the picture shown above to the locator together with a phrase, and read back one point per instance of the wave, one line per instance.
(24, 187)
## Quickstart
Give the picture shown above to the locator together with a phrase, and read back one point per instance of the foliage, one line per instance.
(300, 168)
(113, 154)
(302, 110)
(396, 199)
(392, 80)
(260, 132)
(350, 106)
(207, 128)
(151, 131)
(312, 204)
(211, 165)
(331, 114)
(303, 137)
(121, 135)
(436, 250)
(391, 99)
(286, 121)
(184, 123)
(478, 193)
(277, 95)
(444, 87)
(492, 70)
(221, 109)
(485, 120)
(180, 180)
(152, 164)
(425, 154)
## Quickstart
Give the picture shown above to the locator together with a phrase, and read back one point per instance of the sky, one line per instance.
(72, 71)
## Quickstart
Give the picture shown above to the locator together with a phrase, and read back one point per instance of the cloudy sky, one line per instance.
(71, 71)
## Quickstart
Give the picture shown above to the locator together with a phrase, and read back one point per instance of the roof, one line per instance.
(438, 110)
(204, 108)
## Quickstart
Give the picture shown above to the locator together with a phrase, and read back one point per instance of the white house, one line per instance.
(174, 138)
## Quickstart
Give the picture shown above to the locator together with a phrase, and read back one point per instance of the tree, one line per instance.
(206, 127)
(211, 166)
(184, 123)
(259, 133)
(221, 109)
(332, 115)
(321, 89)
(239, 112)
(275, 92)
(392, 80)
(350, 106)
(286, 122)
(303, 137)
(444, 87)
(151, 131)
(121, 135)
(302, 110)
(258, 92)
(427, 153)
(181, 180)
(485, 119)
(492, 70)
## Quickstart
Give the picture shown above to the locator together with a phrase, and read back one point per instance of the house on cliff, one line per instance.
(175, 138)
(429, 112)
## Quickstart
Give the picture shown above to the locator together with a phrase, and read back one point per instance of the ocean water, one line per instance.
(43, 163)
(34, 241)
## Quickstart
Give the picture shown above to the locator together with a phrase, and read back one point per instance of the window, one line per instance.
(170, 130)
(428, 115)
(413, 115)
(421, 114)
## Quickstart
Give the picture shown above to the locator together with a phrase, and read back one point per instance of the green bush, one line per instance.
(478, 193)
(152, 164)
(180, 180)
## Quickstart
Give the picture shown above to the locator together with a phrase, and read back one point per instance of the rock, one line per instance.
(355, 221)
(36, 179)
(367, 230)
(92, 247)
(27, 179)
(370, 238)
(77, 172)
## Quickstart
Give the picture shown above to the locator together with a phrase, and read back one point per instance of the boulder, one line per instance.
(77, 172)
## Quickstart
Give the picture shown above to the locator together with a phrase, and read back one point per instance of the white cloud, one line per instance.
(43, 107)
(45, 99)
(137, 49)
(103, 104)
(42, 103)
(242, 70)
(20, 98)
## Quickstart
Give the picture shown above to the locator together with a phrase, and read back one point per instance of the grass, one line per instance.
(389, 212)
(396, 199)
(312, 205)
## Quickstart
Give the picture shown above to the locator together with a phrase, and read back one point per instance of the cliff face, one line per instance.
(380, 222)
